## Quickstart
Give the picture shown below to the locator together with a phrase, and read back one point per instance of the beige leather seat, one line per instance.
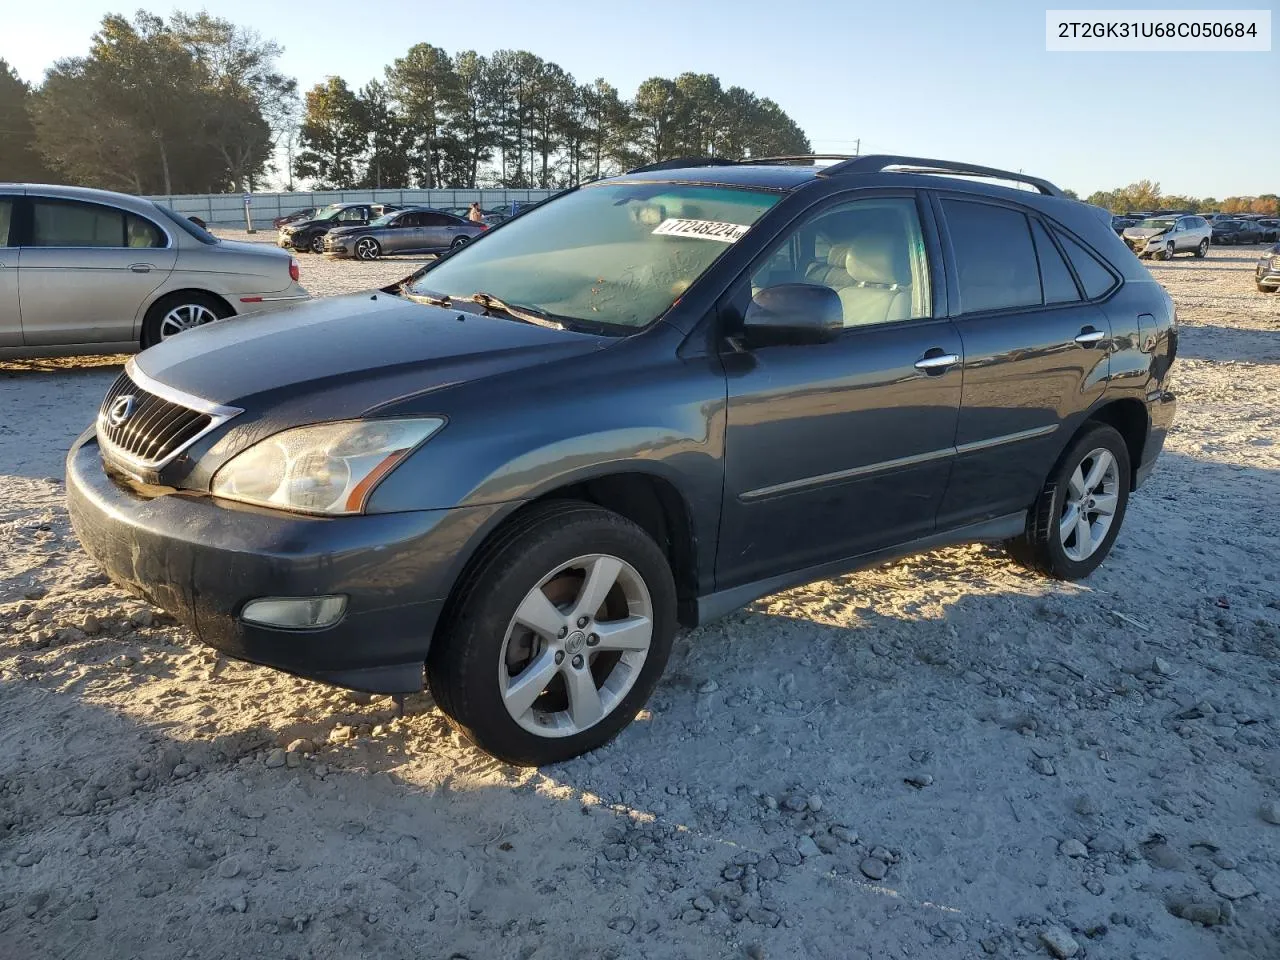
(880, 291)
(832, 273)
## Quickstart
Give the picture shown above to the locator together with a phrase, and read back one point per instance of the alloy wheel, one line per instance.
(185, 317)
(317, 243)
(1168, 252)
(1089, 507)
(576, 646)
(367, 248)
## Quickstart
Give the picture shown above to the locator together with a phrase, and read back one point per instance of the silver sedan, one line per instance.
(89, 271)
(416, 230)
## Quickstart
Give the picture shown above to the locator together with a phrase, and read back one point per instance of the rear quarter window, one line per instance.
(1096, 279)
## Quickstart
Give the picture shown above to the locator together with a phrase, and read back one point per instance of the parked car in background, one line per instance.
(1268, 270)
(1161, 238)
(297, 216)
(1119, 223)
(308, 235)
(414, 230)
(528, 463)
(89, 271)
(1270, 228)
(1236, 232)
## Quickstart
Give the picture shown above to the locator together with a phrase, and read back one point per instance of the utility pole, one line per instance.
(857, 147)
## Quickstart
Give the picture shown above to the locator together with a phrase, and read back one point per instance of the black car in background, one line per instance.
(308, 235)
(1236, 231)
(296, 216)
(649, 401)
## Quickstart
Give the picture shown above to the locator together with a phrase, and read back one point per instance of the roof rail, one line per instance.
(797, 158)
(875, 163)
(675, 163)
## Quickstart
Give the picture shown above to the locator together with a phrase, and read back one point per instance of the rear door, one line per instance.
(10, 315)
(85, 269)
(437, 233)
(1035, 351)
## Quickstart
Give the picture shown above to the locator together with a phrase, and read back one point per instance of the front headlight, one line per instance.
(328, 468)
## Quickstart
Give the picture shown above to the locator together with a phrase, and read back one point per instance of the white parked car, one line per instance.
(90, 271)
(1162, 237)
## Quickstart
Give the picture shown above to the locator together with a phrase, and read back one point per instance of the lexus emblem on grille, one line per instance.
(120, 410)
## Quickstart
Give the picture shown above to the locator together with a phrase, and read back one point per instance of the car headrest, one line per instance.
(876, 257)
(837, 255)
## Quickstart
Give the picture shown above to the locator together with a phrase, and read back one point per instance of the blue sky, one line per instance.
(931, 78)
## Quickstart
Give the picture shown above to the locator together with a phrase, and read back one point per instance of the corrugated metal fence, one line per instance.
(228, 208)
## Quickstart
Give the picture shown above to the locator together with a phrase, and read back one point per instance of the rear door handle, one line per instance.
(1089, 336)
(140, 267)
(935, 361)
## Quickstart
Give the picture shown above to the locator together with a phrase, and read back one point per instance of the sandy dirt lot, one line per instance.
(943, 757)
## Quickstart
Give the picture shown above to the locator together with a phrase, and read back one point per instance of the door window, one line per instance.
(1055, 277)
(70, 223)
(6, 220)
(409, 220)
(870, 252)
(143, 233)
(995, 256)
(351, 214)
(437, 220)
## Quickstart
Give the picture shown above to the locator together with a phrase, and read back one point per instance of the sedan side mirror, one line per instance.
(793, 314)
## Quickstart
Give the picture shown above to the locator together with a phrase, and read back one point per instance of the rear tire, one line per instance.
(487, 643)
(1202, 251)
(458, 242)
(1072, 500)
(171, 315)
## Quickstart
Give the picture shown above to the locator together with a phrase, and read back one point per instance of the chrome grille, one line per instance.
(143, 425)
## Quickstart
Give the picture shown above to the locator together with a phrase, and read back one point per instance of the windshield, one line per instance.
(1156, 224)
(195, 230)
(329, 212)
(618, 254)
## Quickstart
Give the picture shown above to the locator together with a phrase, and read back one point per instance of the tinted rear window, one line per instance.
(1096, 279)
(186, 226)
(995, 257)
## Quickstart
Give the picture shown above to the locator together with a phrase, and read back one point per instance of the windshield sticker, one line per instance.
(704, 229)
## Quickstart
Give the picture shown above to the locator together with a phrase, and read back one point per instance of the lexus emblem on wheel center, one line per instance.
(120, 411)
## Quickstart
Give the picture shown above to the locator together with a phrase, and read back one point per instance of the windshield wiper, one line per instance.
(431, 299)
(527, 314)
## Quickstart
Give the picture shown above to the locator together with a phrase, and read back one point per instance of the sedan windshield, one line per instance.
(617, 254)
(1156, 224)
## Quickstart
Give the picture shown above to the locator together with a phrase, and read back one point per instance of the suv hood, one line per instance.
(305, 224)
(343, 356)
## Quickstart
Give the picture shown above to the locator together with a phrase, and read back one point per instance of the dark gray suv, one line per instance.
(647, 402)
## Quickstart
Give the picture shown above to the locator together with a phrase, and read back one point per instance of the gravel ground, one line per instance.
(943, 757)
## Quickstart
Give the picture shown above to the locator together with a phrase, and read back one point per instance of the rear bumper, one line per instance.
(203, 560)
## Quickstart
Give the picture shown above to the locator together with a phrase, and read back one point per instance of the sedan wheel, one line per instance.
(185, 316)
(317, 243)
(1168, 251)
(367, 248)
(458, 242)
(557, 634)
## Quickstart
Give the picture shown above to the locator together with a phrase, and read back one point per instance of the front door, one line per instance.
(86, 269)
(1035, 352)
(838, 449)
(10, 317)
(404, 235)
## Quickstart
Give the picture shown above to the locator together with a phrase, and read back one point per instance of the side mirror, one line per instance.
(793, 314)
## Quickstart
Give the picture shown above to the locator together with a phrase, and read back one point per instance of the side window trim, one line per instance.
(1035, 218)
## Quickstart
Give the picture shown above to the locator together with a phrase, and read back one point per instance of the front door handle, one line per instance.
(140, 267)
(1089, 336)
(935, 361)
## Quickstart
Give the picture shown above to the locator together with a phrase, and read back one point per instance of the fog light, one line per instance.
(296, 613)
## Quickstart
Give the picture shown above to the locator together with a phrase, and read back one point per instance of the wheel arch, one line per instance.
(652, 502)
(162, 297)
(1129, 417)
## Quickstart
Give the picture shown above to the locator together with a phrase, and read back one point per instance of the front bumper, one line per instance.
(336, 246)
(1268, 272)
(202, 560)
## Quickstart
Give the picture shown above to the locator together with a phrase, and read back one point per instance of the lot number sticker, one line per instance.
(703, 229)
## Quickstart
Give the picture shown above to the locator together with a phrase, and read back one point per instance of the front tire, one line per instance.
(317, 243)
(1168, 252)
(1263, 288)
(368, 248)
(1077, 515)
(557, 636)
